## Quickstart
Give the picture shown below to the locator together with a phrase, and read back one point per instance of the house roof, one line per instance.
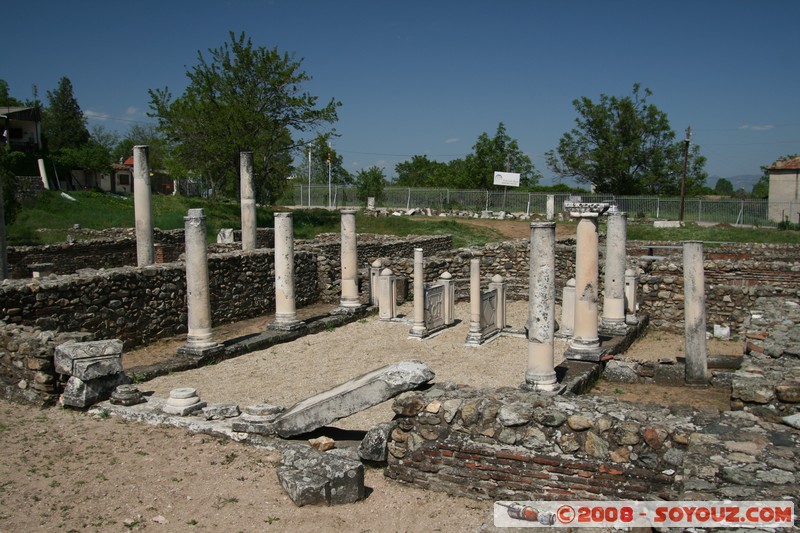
(128, 162)
(20, 113)
(786, 164)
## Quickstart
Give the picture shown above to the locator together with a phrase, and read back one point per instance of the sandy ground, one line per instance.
(65, 470)
(70, 471)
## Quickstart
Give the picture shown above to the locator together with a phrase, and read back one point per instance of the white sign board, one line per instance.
(510, 179)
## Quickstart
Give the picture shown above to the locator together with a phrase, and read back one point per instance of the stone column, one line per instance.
(568, 309)
(614, 279)
(499, 285)
(199, 340)
(446, 280)
(349, 259)
(551, 206)
(285, 310)
(474, 335)
(419, 329)
(143, 208)
(695, 313)
(631, 300)
(248, 201)
(585, 343)
(540, 372)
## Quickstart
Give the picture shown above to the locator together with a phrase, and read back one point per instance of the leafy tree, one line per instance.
(63, 122)
(240, 98)
(5, 98)
(724, 187)
(625, 146)
(143, 134)
(498, 153)
(421, 172)
(371, 182)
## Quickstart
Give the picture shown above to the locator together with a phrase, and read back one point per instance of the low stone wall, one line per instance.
(138, 305)
(506, 444)
(27, 370)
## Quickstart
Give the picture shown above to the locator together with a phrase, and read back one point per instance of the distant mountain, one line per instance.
(741, 181)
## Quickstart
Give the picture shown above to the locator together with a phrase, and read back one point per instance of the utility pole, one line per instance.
(683, 177)
(309, 176)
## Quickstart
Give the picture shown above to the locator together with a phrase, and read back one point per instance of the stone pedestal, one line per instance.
(387, 297)
(614, 279)
(499, 284)
(374, 272)
(183, 401)
(540, 371)
(631, 297)
(418, 329)
(199, 339)
(285, 307)
(349, 259)
(142, 206)
(585, 343)
(694, 306)
(95, 370)
(248, 201)
(568, 309)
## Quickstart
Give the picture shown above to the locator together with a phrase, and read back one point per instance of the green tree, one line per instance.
(421, 172)
(63, 122)
(142, 134)
(625, 146)
(724, 187)
(498, 153)
(371, 182)
(240, 98)
(5, 95)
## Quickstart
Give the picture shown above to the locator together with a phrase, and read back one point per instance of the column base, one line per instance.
(418, 332)
(347, 309)
(286, 325)
(349, 303)
(549, 388)
(613, 327)
(478, 338)
(631, 320)
(583, 350)
(204, 351)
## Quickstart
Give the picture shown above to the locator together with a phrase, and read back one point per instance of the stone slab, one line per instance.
(311, 477)
(82, 394)
(353, 396)
(89, 360)
(182, 411)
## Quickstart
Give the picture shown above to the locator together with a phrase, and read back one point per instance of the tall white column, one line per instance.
(285, 310)
(418, 329)
(498, 284)
(614, 279)
(694, 306)
(631, 291)
(540, 372)
(199, 339)
(142, 207)
(248, 201)
(349, 259)
(474, 335)
(585, 342)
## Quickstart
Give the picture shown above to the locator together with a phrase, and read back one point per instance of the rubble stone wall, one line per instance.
(137, 305)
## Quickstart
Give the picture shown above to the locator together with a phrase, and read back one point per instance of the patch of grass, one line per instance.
(721, 233)
(222, 502)
(141, 452)
(229, 458)
(192, 522)
(618, 391)
(104, 414)
(271, 519)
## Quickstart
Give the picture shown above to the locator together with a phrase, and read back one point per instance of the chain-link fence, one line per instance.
(730, 211)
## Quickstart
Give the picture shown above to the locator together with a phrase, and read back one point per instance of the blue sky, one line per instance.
(428, 77)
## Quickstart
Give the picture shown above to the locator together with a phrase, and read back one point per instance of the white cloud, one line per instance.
(451, 140)
(96, 115)
(131, 111)
(764, 127)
